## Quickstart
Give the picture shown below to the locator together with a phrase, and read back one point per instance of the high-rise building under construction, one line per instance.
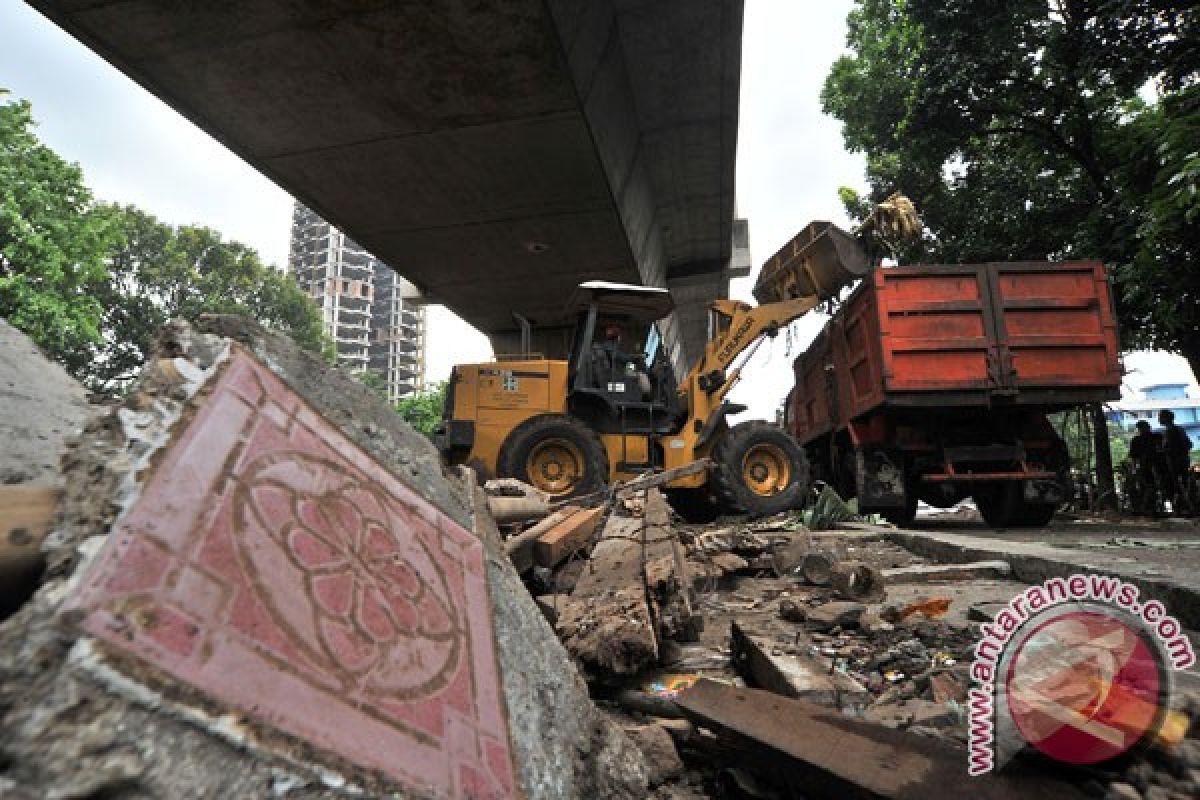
(373, 315)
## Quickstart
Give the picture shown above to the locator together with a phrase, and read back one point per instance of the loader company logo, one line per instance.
(1078, 668)
(731, 346)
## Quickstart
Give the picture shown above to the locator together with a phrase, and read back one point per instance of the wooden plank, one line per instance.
(26, 514)
(607, 623)
(566, 537)
(520, 547)
(828, 754)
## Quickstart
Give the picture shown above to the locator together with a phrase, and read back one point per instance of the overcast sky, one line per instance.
(134, 149)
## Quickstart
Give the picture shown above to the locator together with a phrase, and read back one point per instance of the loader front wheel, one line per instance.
(557, 454)
(760, 470)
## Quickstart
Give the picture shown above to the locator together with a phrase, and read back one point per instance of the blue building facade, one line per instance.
(1156, 398)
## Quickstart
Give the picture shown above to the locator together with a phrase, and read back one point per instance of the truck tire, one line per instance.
(557, 454)
(1004, 506)
(761, 470)
(1034, 515)
(998, 503)
(903, 517)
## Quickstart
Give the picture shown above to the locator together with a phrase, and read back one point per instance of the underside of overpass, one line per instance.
(495, 153)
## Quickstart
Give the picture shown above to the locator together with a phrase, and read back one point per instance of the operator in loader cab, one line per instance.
(621, 363)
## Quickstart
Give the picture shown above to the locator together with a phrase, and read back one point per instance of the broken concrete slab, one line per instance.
(78, 715)
(793, 674)
(913, 712)
(985, 612)
(43, 408)
(669, 588)
(838, 614)
(927, 573)
(564, 747)
(608, 625)
(832, 755)
(1035, 562)
(658, 748)
(264, 544)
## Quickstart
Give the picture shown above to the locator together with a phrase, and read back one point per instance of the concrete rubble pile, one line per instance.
(260, 582)
(811, 664)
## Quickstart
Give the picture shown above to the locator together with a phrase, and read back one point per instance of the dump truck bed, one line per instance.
(1001, 334)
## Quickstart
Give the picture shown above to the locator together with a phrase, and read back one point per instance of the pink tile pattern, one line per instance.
(272, 564)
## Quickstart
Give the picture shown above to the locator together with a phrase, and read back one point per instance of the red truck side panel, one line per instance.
(1032, 334)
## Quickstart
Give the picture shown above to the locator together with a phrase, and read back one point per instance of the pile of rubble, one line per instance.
(250, 578)
(757, 658)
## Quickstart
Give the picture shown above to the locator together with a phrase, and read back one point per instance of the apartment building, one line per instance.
(373, 315)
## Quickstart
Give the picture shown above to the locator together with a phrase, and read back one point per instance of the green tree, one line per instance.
(1075, 427)
(423, 410)
(53, 241)
(159, 272)
(1019, 129)
(374, 380)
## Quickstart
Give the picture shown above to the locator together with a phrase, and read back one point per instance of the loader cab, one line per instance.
(620, 378)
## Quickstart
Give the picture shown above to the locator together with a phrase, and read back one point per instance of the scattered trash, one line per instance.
(670, 685)
(932, 607)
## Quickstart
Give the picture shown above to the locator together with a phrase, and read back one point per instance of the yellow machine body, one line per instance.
(563, 425)
(499, 396)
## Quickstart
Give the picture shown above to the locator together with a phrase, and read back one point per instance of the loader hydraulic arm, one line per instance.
(740, 327)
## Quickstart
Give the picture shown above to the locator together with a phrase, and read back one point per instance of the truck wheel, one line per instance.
(760, 470)
(1034, 515)
(998, 503)
(903, 517)
(1005, 507)
(557, 454)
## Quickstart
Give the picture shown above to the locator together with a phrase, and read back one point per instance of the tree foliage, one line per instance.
(53, 242)
(160, 272)
(423, 410)
(91, 284)
(1021, 129)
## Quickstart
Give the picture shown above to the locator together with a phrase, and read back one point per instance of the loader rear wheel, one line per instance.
(760, 470)
(557, 454)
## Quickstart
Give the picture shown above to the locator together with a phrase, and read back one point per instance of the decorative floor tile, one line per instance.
(274, 565)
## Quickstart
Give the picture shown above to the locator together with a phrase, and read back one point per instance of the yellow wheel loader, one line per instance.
(613, 410)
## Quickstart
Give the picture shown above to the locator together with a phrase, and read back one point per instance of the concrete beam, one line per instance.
(496, 155)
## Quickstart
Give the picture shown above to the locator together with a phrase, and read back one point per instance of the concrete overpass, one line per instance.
(495, 153)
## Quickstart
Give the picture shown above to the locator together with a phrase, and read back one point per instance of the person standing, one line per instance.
(1175, 447)
(1144, 451)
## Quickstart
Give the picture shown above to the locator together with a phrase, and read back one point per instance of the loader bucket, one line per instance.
(820, 260)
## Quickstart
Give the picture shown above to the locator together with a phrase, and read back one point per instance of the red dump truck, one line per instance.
(934, 382)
